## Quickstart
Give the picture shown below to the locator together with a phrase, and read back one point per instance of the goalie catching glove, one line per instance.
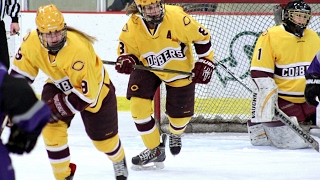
(58, 107)
(203, 70)
(125, 63)
(312, 90)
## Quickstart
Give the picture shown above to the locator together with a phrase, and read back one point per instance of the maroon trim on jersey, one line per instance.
(59, 154)
(258, 74)
(77, 102)
(202, 48)
(146, 126)
(116, 150)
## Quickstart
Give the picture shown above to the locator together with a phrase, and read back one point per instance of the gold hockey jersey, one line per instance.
(287, 57)
(169, 45)
(76, 68)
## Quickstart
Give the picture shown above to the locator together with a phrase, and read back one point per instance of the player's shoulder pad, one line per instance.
(178, 14)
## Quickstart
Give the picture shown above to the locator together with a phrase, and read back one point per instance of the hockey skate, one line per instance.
(175, 143)
(121, 170)
(150, 159)
(73, 168)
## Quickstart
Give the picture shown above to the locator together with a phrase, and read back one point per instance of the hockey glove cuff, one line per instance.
(125, 63)
(203, 70)
(59, 108)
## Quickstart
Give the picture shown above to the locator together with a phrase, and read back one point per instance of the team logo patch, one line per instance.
(186, 21)
(78, 65)
(134, 87)
(125, 28)
(26, 36)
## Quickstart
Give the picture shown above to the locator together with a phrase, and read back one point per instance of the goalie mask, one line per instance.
(151, 10)
(51, 28)
(296, 17)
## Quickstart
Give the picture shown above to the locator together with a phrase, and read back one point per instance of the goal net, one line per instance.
(224, 104)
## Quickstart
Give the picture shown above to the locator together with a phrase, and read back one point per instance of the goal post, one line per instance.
(224, 104)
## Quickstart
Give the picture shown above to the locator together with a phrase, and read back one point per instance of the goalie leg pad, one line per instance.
(283, 137)
(257, 134)
(265, 96)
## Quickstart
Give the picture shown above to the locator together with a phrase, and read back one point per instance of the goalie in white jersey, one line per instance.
(161, 36)
(280, 59)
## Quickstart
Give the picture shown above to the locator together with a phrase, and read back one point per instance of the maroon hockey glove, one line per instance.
(203, 69)
(125, 63)
(58, 107)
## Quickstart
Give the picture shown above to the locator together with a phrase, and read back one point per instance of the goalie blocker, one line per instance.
(264, 128)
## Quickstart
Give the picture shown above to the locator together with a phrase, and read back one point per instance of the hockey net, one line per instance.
(224, 104)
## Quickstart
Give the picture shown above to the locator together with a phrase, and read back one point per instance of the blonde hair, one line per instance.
(92, 39)
(132, 8)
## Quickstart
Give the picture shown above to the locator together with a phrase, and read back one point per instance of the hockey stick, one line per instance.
(4, 123)
(148, 68)
(285, 119)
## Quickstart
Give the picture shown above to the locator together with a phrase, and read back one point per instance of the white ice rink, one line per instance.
(209, 156)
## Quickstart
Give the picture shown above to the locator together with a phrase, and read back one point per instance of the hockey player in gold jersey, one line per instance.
(283, 53)
(162, 36)
(77, 82)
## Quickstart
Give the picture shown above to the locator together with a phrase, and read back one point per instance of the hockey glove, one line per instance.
(58, 107)
(203, 70)
(312, 89)
(21, 141)
(125, 63)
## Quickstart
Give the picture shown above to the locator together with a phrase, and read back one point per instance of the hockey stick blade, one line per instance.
(297, 129)
(148, 68)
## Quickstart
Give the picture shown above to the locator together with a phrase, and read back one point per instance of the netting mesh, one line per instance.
(224, 104)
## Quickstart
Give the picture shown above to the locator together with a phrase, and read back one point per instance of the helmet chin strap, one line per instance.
(294, 29)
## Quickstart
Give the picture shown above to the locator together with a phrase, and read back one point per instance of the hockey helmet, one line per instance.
(143, 6)
(50, 20)
(296, 16)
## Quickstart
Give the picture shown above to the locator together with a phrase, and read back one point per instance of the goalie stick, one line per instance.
(148, 68)
(280, 114)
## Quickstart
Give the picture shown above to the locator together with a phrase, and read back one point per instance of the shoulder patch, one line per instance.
(26, 36)
(186, 20)
(125, 28)
(78, 65)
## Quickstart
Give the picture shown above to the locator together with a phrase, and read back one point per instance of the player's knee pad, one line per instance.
(178, 125)
(112, 147)
(55, 134)
(284, 137)
(257, 134)
(140, 108)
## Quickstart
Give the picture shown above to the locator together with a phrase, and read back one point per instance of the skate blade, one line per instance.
(151, 166)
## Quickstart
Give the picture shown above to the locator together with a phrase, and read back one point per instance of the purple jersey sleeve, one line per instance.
(34, 119)
(314, 67)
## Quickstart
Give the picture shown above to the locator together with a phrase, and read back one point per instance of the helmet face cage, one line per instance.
(296, 16)
(53, 48)
(50, 23)
(305, 17)
(157, 5)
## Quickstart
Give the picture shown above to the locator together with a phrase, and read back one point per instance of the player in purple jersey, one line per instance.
(28, 115)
